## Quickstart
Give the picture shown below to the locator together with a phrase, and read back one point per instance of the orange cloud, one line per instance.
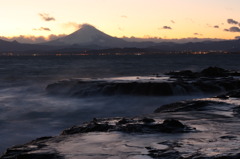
(32, 39)
(71, 25)
(42, 29)
(124, 16)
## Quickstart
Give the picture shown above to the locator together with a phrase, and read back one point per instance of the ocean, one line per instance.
(28, 111)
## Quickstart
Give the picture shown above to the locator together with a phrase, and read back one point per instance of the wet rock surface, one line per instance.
(207, 72)
(206, 128)
(31, 151)
(196, 129)
(209, 80)
(194, 105)
(145, 125)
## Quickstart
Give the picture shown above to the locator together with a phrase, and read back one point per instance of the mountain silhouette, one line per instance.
(88, 38)
(88, 35)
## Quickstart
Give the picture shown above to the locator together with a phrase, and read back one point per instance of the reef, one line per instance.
(210, 80)
(202, 128)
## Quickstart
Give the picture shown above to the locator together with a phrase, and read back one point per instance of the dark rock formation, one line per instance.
(210, 80)
(89, 88)
(162, 134)
(145, 125)
(171, 153)
(231, 94)
(208, 72)
(215, 72)
(192, 105)
(30, 151)
(216, 136)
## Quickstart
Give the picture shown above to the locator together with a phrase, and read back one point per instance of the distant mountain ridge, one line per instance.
(88, 38)
(89, 35)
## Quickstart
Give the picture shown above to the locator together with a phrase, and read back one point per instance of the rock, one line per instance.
(130, 126)
(171, 125)
(123, 121)
(214, 72)
(147, 120)
(231, 94)
(30, 151)
(171, 153)
(228, 137)
(223, 97)
(34, 156)
(234, 94)
(163, 154)
(90, 127)
(209, 80)
(236, 111)
(192, 105)
(185, 73)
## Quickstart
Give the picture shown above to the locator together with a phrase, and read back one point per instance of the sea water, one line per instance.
(27, 111)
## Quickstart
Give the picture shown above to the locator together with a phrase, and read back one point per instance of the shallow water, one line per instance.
(27, 111)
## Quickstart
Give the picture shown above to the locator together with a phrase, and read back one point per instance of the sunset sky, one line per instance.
(169, 19)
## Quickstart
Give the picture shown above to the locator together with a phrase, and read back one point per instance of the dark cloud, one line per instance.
(46, 17)
(233, 29)
(32, 39)
(216, 26)
(42, 29)
(198, 34)
(166, 27)
(237, 37)
(159, 39)
(231, 21)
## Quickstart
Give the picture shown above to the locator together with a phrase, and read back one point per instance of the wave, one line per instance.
(151, 87)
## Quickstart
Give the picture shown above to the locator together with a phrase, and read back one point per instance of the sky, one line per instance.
(166, 19)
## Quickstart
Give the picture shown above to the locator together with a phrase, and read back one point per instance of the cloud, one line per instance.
(172, 21)
(121, 29)
(73, 25)
(159, 39)
(54, 37)
(231, 21)
(42, 29)
(233, 29)
(124, 16)
(46, 17)
(166, 27)
(198, 34)
(86, 25)
(237, 37)
(32, 39)
(216, 26)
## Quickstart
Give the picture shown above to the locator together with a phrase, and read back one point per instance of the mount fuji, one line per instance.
(88, 35)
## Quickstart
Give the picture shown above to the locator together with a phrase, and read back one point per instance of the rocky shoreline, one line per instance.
(210, 80)
(205, 128)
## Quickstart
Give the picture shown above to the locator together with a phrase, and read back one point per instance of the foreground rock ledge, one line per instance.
(40, 148)
(195, 129)
(210, 131)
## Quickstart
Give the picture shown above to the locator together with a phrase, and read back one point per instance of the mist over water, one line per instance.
(27, 111)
